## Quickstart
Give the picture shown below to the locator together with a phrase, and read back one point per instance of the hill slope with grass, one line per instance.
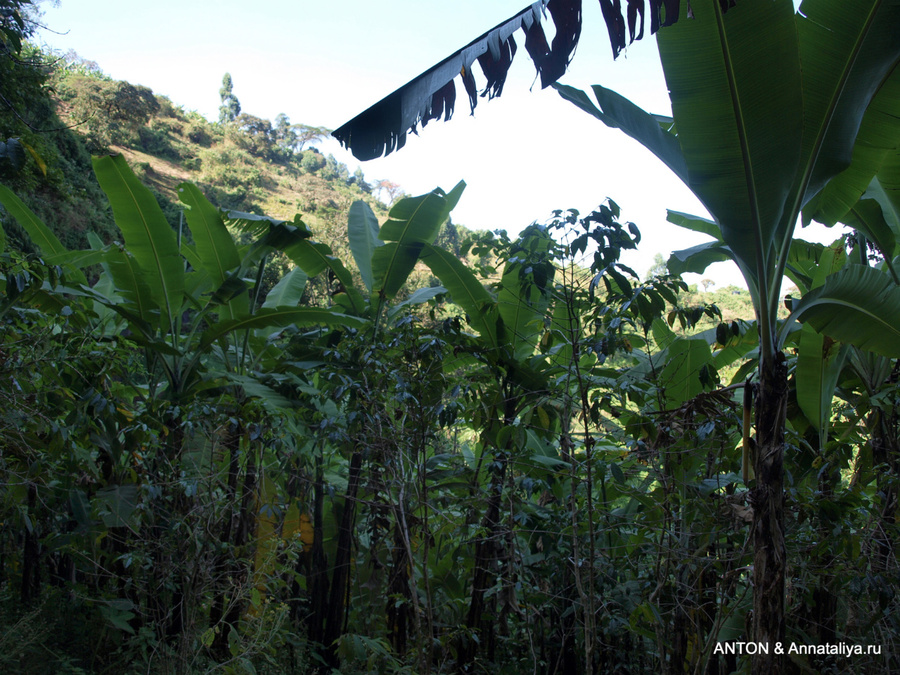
(69, 110)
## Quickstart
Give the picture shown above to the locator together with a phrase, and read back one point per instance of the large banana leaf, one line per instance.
(313, 258)
(879, 136)
(521, 304)
(618, 112)
(148, 237)
(848, 51)
(680, 378)
(418, 297)
(737, 107)
(867, 216)
(412, 223)
(819, 363)
(819, 358)
(877, 213)
(766, 107)
(466, 291)
(695, 223)
(418, 219)
(432, 95)
(803, 258)
(282, 316)
(288, 291)
(40, 234)
(362, 230)
(859, 305)
(697, 258)
(213, 244)
(131, 284)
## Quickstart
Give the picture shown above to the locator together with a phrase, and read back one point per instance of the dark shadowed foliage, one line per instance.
(382, 128)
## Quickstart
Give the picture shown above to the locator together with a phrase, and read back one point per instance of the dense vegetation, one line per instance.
(364, 440)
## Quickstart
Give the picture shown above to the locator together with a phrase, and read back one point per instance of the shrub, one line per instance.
(197, 133)
(311, 161)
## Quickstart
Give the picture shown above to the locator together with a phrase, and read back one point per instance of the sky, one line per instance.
(522, 155)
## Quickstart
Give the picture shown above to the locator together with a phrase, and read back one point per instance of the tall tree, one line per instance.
(231, 107)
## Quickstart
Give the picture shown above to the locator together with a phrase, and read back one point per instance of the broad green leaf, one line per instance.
(859, 305)
(40, 234)
(736, 351)
(120, 502)
(288, 291)
(362, 230)
(737, 105)
(131, 285)
(819, 364)
(76, 259)
(848, 50)
(662, 334)
(885, 190)
(803, 259)
(877, 220)
(256, 389)
(879, 135)
(213, 243)
(418, 219)
(524, 294)
(521, 306)
(565, 328)
(81, 509)
(148, 236)
(620, 113)
(282, 316)
(466, 291)
(412, 223)
(393, 264)
(313, 258)
(680, 379)
(833, 258)
(695, 223)
(417, 298)
(697, 258)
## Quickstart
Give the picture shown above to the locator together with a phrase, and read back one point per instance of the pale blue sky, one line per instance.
(522, 155)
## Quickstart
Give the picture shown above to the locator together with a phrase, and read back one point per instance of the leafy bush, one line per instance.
(311, 161)
(111, 112)
(198, 133)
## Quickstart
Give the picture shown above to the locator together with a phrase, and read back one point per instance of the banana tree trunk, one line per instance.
(768, 518)
(486, 554)
(488, 550)
(340, 579)
(318, 562)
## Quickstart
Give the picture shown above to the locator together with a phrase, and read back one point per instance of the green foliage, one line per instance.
(109, 112)
(572, 429)
(247, 443)
(312, 161)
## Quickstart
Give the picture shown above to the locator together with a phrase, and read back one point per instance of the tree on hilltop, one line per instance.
(231, 107)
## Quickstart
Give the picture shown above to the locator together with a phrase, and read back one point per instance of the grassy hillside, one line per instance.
(247, 164)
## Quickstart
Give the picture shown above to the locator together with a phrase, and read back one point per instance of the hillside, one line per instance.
(245, 164)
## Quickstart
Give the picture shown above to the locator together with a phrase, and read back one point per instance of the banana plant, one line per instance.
(767, 105)
(169, 295)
